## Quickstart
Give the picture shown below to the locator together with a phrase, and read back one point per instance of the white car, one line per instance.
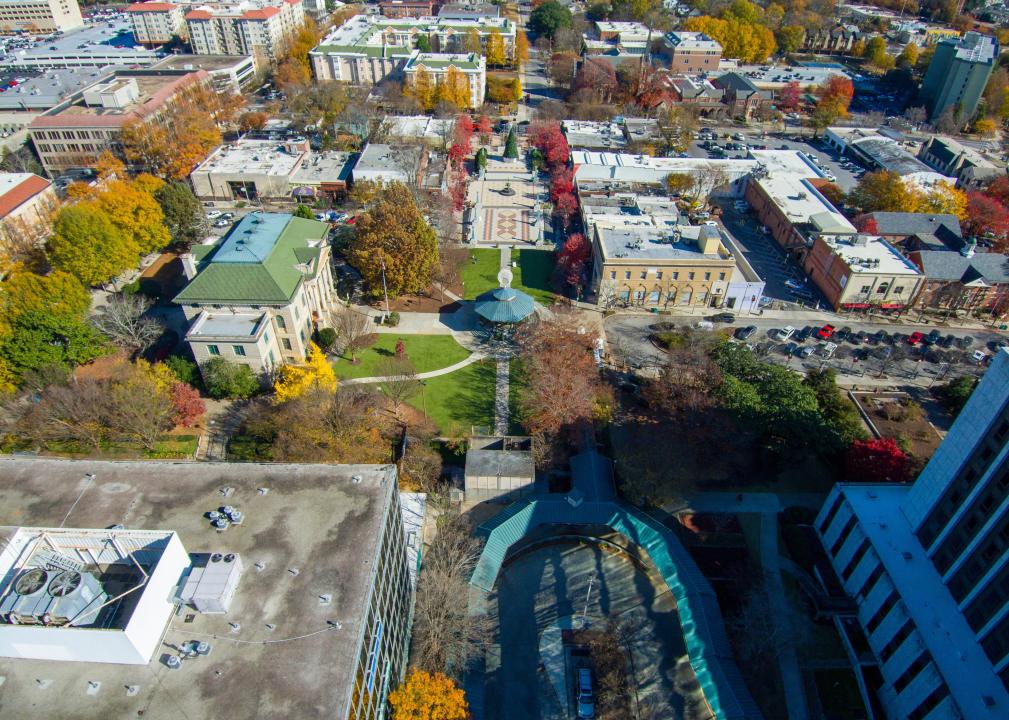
(827, 350)
(213, 214)
(785, 333)
(831, 178)
(794, 284)
(711, 223)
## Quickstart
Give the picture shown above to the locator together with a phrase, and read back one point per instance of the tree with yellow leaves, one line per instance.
(131, 207)
(423, 88)
(986, 127)
(943, 198)
(496, 49)
(521, 48)
(456, 85)
(471, 43)
(296, 380)
(427, 696)
(740, 38)
(109, 167)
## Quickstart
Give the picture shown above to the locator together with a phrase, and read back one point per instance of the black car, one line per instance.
(803, 335)
(856, 338)
(745, 333)
(965, 342)
(932, 338)
(880, 337)
(947, 342)
(842, 334)
(724, 317)
(790, 349)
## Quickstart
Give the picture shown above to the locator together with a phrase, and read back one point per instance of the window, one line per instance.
(899, 290)
(639, 296)
(613, 274)
(239, 350)
(627, 275)
(658, 274)
(721, 276)
(644, 274)
(653, 297)
(266, 337)
(286, 343)
(676, 276)
(707, 276)
(213, 350)
(280, 322)
(690, 276)
(881, 288)
(866, 288)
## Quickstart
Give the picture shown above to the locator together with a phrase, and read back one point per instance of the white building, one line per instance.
(156, 23)
(40, 15)
(928, 566)
(473, 68)
(95, 596)
(263, 28)
(389, 163)
(228, 73)
(256, 297)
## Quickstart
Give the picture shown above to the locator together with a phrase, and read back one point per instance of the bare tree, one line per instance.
(451, 258)
(686, 383)
(401, 382)
(123, 320)
(351, 328)
(74, 413)
(446, 635)
(138, 408)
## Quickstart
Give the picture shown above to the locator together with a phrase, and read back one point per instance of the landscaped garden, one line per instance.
(426, 353)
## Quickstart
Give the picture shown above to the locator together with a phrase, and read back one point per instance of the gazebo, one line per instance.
(504, 305)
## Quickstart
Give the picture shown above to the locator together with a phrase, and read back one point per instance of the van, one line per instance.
(586, 699)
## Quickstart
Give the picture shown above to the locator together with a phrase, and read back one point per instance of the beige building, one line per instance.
(264, 30)
(40, 15)
(74, 133)
(27, 206)
(257, 296)
(472, 66)
(157, 23)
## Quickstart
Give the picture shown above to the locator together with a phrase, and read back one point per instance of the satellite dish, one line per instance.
(504, 277)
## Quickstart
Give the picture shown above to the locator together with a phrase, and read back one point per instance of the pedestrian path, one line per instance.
(501, 390)
(474, 357)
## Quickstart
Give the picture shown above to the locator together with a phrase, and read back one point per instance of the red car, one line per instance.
(915, 338)
(825, 332)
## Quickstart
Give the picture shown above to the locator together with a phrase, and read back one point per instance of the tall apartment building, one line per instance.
(256, 297)
(928, 566)
(40, 15)
(262, 29)
(74, 133)
(691, 52)
(157, 23)
(368, 48)
(957, 75)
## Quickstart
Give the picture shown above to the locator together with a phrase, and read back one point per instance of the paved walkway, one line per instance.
(474, 357)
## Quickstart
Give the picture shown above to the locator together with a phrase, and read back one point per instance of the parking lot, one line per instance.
(890, 361)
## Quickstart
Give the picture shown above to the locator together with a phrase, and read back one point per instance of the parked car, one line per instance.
(880, 337)
(979, 356)
(213, 214)
(806, 351)
(586, 698)
(790, 349)
(785, 333)
(827, 350)
(724, 317)
(803, 335)
(826, 332)
(222, 223)
(932, 338)
(705, 325)
(965, 342)
(794, 284)
(947, 342)
(915, 338)
(745, 333)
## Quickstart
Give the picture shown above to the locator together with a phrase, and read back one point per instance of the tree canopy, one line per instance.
(428, 696)
(548, 18)
(183, 213)
(89, 246)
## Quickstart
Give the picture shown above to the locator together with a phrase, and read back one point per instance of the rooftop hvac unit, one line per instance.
(41, 596)
(212, 582)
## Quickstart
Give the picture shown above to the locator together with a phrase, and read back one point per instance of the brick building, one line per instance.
(691, 52)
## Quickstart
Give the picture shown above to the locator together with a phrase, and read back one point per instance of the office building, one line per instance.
(40, 16)
(293, 599)
(263, 29)
(928, 566)
(472, 67)
(957, 75)
(256, 296)
(28, 204)
(407, 8)
(74, 133)
(691, 52)
(156, 23)
(228, 73)
(971, 169)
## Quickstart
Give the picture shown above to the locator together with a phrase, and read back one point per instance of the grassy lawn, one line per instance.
(517, 382)
(426, 352)
(534, 274)
(461, 399)
(480, 274)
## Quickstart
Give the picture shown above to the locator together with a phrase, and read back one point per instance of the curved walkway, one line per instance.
(474, 357)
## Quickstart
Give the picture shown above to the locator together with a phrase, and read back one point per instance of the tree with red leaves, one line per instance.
(986, 215)
(562, 182)
(565, 206)
(788, 98)
(837, 87)
(463, 132)
(654, 88)
(867, 224)
(571, 260)
(485, 127)
(998, 189)
(877, 460)
(596, 78)
(187, 404)
(457, 189)
(548, 138)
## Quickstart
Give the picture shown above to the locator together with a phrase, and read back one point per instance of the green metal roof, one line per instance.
(258, 262)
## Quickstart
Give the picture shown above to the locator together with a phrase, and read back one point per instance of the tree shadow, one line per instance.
(472, 402)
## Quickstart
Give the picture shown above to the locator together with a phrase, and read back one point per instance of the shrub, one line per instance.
(325, 338)
(228, 380)
(184, 369)
(187, 404)
(392, 320)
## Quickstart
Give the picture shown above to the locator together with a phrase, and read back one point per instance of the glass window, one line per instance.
(644, 274)
(690, 276)
(627, 275)
(213, 350)
(707, 276)
(676, 276)
(280, 322)
(239, 350)
(286, 343)
(721, 276)
(613, 274)
(653, 297)
(658, 274)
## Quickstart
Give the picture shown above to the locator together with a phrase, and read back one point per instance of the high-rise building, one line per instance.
(156, 23)
(928, 566)
(957, 75)
(40, 15)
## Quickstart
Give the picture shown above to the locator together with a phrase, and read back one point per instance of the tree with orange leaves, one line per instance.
(428, 696)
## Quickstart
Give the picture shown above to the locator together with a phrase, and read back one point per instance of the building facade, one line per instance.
(264, 31)
(472, 68)
(256, 297)
(691, 52)
(27, 206)
(963, 283)
(408, 8)
(793, 210)
(157, 23)
(40, 15)
(957, 75)
(858, 272)
(971, 169)
(928, 566)
(74, 133)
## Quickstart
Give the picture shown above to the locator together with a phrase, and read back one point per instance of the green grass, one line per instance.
(168, 448)
(426, 352)
(480, 274)
(461, 399)
(517, 383)
(534, 274)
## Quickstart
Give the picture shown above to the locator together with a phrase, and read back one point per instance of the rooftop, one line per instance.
(975, 47)
(933, 229)
(656, 244)
(324, 167)
(469, 10)
(50, 88)
(692, 41)
(438, 61)
(418, 127)
(210, 63)
(588, 134)
(802, 203)
(502, 457)
(889, 155)
(262, 260)
(594, 165)
(868, 253)
(379, 36)
(226, 325)
(253, 157)
(384, 158)
(773, 76)
(96, 45)
(950, 641)
(978, 270)
(313, 519)
(17, 189)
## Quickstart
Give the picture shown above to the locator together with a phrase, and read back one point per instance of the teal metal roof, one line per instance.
(505, 305)
(704, 633)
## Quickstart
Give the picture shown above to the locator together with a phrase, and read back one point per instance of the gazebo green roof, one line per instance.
(505, 305)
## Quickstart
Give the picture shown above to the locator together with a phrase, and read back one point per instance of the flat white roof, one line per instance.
(950, 641)
(876, 255)
(801, 202)
(251, 157)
